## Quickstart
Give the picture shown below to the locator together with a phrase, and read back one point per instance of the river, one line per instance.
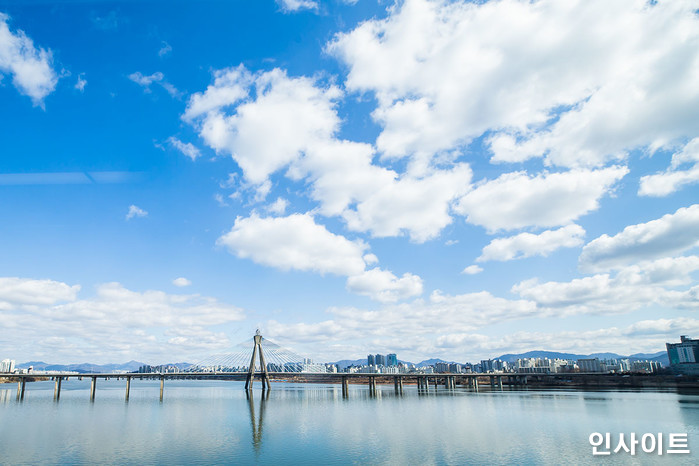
(216, 422)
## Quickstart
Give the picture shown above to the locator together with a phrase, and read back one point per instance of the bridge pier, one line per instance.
(162, 387)
(93, 387)
(345, 386)
(500, 383)
(372, 385)
(21, 385)
(57, 389)
(128, 387)
(475, 384)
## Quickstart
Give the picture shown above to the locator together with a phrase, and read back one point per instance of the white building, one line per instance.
(7, 365)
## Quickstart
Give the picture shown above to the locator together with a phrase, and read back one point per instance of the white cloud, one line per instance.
(419, 206)
(536, 74)
(297, 5)
(371, 259)
(472, 270)
(417, 329)
(24, 291)
(295, 242)
(297, 111)
(116, 323)
(516, 200)
(634, 287)
(527, 244)
(81, 82)
(646, 336)
(384, 286)
(229, 87)
(409, 328)
(676, 176)
(187, 148)
(145, 82)
(31, 68)
(279, 206)
(341, 174)
(668, 235)
(378, 200)
(181, 282)
(165, 49)
(135, 211)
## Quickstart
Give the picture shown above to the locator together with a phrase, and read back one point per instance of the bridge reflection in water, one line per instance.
(256, 423)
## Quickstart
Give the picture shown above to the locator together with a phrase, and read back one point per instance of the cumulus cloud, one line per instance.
(181, 282)
(472, 270)
(409, 328)
(297, 242)
(116, 323)
(645, 336)
(297, 5)
(297, 110)
(279, 206)
(31, 68)
(454, 327)
(384, 286)
(631, 288)
(528, 244)
(25, 291)
(534, 74)
(135, 211)
(517, 200)
(186, 148)
(668, 235)
(236, 114)
(683, 171)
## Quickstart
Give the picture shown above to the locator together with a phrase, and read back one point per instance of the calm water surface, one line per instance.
(214, 422)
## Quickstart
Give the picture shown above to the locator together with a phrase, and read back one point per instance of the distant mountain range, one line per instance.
(86, 368)
(132, 366)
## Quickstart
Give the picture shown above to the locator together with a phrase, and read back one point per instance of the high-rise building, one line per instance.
(370, 361)
(684, 356)
(590, 365)
(441, 367)
(392, 360)
(7, 365)
(380, 360)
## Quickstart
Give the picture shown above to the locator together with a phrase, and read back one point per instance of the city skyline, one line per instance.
(430, 178)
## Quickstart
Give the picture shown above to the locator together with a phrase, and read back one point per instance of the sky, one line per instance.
(430, 178)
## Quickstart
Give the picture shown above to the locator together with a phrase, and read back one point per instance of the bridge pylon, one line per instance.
(251, 369)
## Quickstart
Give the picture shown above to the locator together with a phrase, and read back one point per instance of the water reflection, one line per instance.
(217, 422)
(6, 396)
(256, 423)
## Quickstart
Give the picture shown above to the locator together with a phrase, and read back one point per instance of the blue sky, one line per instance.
(426, 177)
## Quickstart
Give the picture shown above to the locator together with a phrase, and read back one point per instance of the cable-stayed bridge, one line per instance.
(277, 359)
(259, 358)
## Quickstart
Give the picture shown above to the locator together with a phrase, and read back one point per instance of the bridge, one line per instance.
(279, 364)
